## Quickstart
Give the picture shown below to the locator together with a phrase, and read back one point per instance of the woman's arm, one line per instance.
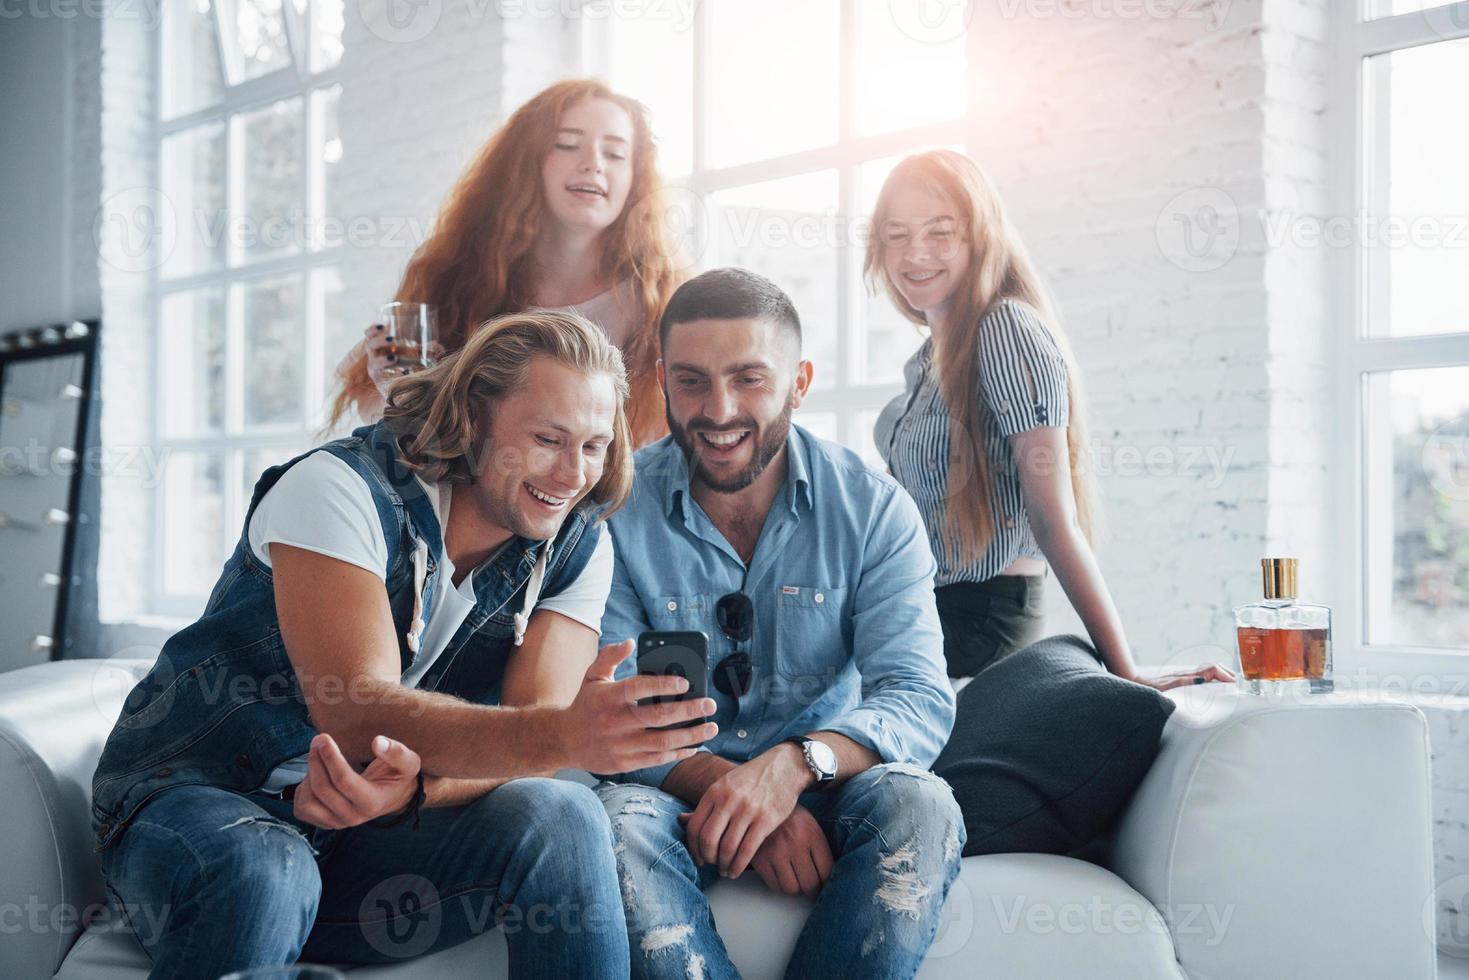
(546, 670)
(1045, 482)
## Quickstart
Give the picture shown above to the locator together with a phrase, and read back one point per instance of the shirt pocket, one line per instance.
(682, 612)
(810, 640)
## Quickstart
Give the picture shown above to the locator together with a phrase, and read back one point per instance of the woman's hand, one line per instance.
(1201, 675)
(334, 795)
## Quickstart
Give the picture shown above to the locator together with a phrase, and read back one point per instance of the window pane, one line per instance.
(787, 230)
(1388, 8)
(885, 338)
(773, 73)
(1420, 226)
(653, 61)
(326, 38)
(272, 317)
(338, 337)
(862, 442)
(256, 32)
(193, 182)
(272, 189)
(823, 425)
(902, 80)
(327, 159)
(193, 522)
(191, 72)
(1428, 507)
(193, 362)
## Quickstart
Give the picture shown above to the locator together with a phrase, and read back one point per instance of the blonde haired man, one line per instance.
(436, 581)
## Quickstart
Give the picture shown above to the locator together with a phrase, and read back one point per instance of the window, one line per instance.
(816, 101)
(1405, 372)
(246, 297)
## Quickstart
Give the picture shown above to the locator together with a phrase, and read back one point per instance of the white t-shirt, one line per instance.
(321, 504)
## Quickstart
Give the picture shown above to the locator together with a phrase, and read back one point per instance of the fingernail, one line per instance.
(380, 743)
(682, 685)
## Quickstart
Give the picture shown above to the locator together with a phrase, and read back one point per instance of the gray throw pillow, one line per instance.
(1048, 747)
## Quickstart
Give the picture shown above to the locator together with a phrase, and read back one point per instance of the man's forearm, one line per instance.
(692, 777)
(853, 758)
(453, 737)
(448, 791)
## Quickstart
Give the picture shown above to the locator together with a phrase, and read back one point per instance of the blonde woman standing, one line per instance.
(988, 434)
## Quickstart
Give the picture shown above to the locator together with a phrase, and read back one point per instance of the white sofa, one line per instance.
(1270, 840)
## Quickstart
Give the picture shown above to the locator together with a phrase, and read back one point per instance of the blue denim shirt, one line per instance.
(223, 706)
(846, 638)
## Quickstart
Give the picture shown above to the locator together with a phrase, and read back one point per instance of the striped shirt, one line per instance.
(1022, 379)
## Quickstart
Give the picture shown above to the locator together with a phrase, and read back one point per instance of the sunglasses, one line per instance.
(735, 614)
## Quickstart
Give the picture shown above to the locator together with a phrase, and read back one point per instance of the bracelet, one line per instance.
(410, 810)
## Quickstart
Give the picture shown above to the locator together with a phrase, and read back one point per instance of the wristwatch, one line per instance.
(820, 759)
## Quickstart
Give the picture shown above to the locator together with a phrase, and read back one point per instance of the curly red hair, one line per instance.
(474, 265)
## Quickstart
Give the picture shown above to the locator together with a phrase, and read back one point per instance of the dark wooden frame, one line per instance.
(87, 347)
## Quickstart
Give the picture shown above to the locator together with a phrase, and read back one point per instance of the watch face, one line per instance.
(822, 757)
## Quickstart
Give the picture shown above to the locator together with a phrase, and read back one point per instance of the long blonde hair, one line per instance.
(999, 269)
(441, 416)
(475, 263)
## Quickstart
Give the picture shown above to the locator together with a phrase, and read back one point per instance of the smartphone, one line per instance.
(676, 653)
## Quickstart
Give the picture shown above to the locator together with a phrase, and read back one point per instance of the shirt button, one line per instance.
(742, 733)
(820, 598)
(672, 606)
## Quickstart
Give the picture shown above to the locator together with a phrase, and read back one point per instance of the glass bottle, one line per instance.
(1284, 644)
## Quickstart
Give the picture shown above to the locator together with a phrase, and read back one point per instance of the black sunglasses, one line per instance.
(735, 614)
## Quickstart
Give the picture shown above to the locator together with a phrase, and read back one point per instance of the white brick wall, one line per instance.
(1093, 126)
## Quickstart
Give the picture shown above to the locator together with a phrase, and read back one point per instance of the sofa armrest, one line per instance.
(1287, 836)
(54, 718)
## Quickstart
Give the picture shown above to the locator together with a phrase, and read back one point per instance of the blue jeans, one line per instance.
(211, 880)
(895, 833)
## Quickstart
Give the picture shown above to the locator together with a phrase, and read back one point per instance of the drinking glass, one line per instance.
(413, 327)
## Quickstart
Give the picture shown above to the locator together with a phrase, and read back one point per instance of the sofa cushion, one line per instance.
(1048, 747)
(1022, 916)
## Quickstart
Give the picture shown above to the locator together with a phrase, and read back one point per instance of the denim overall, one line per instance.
(223, 706)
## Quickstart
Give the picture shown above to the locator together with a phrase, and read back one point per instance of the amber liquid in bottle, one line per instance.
(1282, 654)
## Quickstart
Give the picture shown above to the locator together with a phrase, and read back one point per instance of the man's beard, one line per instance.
(768, 444)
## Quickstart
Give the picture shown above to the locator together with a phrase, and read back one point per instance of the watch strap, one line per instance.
(803, 742)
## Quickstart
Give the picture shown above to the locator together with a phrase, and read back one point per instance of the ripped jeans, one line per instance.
(896, 835)
(211, 880)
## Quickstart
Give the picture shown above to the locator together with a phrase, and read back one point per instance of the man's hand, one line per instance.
(605, 730)
(334, 795)
(744, 807)
(796, 859)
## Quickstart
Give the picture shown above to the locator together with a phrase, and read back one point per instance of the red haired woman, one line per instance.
(988, 437)
(562, 208)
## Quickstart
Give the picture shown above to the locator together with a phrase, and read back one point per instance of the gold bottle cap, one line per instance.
(1280, 577)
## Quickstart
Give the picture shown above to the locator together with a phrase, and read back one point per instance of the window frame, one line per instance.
(1358, 182)
(846, 398)
(295, 80)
